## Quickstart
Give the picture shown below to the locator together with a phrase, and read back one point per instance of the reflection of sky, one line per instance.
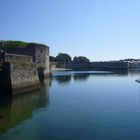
(65, 77)
(57, 73)
(100, 107)
(109, 105)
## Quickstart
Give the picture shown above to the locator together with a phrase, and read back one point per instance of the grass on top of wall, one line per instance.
(17, 44)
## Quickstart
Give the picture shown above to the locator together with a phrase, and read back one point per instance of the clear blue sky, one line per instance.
(97, 29)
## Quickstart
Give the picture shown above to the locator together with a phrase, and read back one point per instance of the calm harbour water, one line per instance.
(75, 105)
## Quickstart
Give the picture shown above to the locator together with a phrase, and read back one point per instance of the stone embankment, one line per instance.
(23, 66)
(23, 73)
(99, 65)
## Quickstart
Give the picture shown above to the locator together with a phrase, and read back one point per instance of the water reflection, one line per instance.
(103, 106)
(67, 76)
(134, 72)
(14, 110)
(63, 79)
(81, 77)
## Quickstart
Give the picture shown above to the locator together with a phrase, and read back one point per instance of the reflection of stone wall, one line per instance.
(23, 73)
(15, 109)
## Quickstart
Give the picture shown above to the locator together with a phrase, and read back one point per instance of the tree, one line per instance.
(63, 58)
(52, 59)
(76, 59)
(80, 59)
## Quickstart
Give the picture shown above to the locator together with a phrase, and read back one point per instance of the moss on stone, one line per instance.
(15, 44)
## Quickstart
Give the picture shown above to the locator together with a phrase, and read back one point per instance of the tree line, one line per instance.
(66, 58)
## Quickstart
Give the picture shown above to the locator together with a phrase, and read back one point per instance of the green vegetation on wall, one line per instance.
(15, 44)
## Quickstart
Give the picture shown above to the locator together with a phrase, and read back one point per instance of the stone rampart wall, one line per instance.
(23, 73)
(109, 65)
(39, 53)
(99, 65)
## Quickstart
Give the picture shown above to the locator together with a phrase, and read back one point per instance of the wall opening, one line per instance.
(41, 75)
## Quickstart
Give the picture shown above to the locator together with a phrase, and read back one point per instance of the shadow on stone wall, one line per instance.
(5, 80)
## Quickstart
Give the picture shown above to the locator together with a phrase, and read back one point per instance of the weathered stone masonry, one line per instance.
(22, 73)
(39, 53)
(23, 68)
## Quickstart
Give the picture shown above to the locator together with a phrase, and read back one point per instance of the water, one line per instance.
(75, 106)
